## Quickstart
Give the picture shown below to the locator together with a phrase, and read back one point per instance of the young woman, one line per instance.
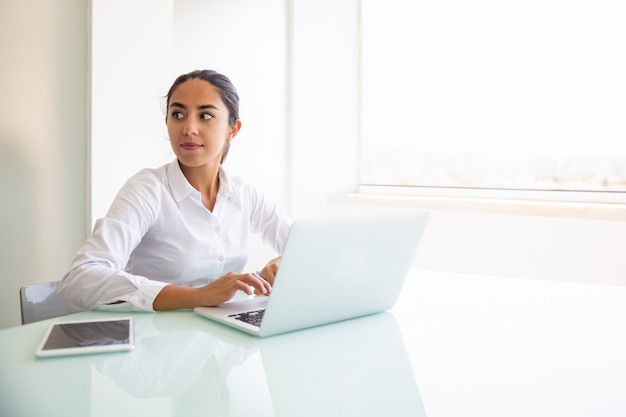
(177, 236)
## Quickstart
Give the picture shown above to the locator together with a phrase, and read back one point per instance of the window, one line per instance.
(494, 95)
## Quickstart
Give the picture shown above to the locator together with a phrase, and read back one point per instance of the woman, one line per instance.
(177, 236)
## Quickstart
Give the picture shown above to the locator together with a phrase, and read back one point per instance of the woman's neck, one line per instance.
(206, 180)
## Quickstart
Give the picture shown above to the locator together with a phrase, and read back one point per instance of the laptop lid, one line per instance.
(334, 269)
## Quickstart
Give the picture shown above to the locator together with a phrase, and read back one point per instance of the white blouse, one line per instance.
(158, 232)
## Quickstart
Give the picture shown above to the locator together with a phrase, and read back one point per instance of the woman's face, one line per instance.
(197, 123)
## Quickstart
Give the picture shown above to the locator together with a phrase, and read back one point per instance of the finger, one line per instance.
(266, 288)
(268, 275)
(261, 285)
(242, 285)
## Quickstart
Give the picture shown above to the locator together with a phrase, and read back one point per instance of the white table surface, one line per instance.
(454, 345)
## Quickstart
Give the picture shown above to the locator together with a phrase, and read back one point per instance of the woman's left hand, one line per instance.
(269, 271)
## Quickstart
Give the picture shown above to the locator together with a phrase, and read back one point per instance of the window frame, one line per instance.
(551, 201)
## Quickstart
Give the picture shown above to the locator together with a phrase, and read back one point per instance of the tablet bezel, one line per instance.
(82, 350)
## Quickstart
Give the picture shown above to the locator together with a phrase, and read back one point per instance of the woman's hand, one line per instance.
(269, 271)
(174, 297)
(225, 288)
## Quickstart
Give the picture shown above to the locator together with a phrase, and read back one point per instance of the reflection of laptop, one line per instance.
(357, 367)
(332, 270)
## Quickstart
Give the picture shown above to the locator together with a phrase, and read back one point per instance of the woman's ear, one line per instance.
(234, 129)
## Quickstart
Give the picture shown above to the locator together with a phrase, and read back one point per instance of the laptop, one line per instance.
(332, 269)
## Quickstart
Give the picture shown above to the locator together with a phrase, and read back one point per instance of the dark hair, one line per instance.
(225, 88)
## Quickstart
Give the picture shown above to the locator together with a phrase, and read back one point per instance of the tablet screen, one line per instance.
(91, 336)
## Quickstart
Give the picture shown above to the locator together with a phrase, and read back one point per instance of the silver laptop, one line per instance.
(332, 269)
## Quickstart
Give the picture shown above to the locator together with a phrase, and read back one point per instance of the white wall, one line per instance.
(577, 250)
(131, 67)
(561, 249)
(43, 80)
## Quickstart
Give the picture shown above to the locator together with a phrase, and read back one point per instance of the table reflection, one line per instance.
(357, 367)
(175, 359)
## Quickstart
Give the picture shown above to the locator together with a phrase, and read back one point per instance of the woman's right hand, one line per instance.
(224, 288)
(174, 297)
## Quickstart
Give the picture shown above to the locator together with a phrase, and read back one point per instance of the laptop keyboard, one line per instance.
(251, 317)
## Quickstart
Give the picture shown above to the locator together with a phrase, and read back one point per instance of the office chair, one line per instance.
(41, 301)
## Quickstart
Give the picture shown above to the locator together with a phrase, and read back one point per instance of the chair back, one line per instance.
(41, 301)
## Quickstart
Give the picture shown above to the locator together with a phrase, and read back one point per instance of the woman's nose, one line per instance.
(190, 127)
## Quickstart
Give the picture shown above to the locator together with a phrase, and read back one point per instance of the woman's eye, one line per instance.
(177, 115)
(206, 116)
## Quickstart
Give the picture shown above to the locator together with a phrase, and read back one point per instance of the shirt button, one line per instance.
(216, 230)
(142, 302)
(220, 258)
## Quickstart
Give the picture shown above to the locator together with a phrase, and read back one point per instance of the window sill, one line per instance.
(506, 203)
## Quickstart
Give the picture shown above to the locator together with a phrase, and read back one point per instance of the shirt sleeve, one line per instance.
(267, 220)
(96, 278)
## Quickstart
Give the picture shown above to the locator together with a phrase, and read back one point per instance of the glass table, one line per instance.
(454, 345)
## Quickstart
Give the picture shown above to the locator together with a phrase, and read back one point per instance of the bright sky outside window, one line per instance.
(520, 94)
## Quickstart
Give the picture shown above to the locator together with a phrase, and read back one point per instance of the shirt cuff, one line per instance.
(140, 300)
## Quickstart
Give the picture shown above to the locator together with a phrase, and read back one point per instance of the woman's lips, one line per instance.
(190, 146)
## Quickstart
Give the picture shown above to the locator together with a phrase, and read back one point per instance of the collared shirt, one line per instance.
(157, 232)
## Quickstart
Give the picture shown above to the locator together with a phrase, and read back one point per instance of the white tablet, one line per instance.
(87, 336)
